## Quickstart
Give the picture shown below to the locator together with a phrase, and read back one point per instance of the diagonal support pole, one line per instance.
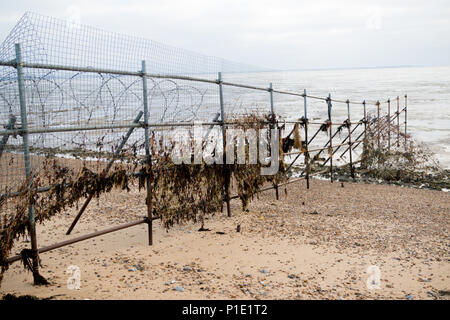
(105, 171)
(342, 142)
(307, 144)
(364, 132)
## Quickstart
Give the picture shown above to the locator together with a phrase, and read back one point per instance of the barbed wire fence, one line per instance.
(89, 96)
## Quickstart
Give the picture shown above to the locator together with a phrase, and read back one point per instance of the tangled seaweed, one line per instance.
(392, 156)
(179, 192)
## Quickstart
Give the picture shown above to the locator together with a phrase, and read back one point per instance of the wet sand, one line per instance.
(310, 244)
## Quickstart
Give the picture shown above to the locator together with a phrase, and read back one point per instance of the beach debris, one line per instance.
(444, 292)
(179, 289)
(264, 271)
(139, 267)
(187, 268)
(287, 144)
(238, 228)
(220, 232)
(298, 143)
(203, 229)
(409, 297)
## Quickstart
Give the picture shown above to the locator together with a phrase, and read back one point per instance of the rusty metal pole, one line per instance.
(331, 138)
(306, 140)
(349, 126)
(398, 122)
(378, 125)
(27, 160)
(365, 119)
(389, 125)
(406, 117)
(148, 159)
(225, 170)
(363, 163)
(81, 238)
(272, 117)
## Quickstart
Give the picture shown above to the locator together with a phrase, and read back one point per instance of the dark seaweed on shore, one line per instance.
(179, 193)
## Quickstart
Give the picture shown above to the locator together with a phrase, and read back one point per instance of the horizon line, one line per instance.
(355, 68)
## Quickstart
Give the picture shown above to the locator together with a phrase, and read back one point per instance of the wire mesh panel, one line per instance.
(68, 99)
(56, 41)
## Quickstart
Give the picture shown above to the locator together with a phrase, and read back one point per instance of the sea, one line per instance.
(427, 90)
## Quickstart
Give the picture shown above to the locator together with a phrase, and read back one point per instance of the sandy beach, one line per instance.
(310, 244)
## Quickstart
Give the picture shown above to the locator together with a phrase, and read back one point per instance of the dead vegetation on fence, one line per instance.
(393, 157)
(180, 193)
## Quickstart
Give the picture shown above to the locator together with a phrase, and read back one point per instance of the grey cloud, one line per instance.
(275, 34)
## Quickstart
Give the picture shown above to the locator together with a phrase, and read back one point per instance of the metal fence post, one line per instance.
(398, 122)
(272, 117)
(271, 100)
(331, 137)
(349, 126)
(225, 170)
(147, 155)
(389, 125)
(406, 117)
(306, 140)
(365, 119)
(378, 125)
(26, 154)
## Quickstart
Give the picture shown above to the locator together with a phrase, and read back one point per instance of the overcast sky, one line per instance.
(275, 34)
